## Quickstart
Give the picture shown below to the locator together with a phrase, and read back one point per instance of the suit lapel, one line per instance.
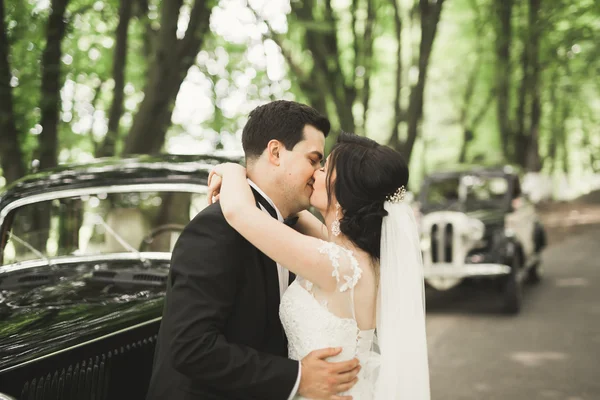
(260, 201)
(272, 280)
(271, 276)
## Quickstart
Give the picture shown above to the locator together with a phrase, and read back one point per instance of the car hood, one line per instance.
(48, 308)
(488, 217)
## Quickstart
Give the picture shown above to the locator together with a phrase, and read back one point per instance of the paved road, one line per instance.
(549, 351)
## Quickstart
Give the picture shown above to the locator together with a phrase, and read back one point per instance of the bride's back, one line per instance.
(355, 296)
(314, 318)
(365, 291)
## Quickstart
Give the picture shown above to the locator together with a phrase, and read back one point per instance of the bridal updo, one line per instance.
(366, 173)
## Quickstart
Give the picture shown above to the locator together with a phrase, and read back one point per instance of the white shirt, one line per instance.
(283, 273)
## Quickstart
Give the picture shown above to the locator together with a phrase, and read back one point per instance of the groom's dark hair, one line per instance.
(280, 120)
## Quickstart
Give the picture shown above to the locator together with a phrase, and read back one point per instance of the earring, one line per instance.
(335, 225)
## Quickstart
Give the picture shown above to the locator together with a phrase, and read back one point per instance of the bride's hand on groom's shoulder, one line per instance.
(214, 188)
(321, 379)
(223, 169)
(215, 179)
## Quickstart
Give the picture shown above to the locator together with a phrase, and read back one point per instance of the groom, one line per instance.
(220, 336)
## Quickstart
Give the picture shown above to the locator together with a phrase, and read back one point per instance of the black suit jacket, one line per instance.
(220, 335)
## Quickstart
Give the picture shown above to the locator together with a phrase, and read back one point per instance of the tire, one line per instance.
(540, 238)
(535, 273)
(512, 295)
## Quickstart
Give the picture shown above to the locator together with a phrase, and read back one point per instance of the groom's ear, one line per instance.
(274, 149)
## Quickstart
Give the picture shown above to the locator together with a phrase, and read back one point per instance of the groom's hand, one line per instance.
(321, 379)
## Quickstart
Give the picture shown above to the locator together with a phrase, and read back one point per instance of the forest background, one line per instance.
(446, 82)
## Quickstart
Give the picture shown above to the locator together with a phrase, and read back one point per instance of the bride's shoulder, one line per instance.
(345, 266)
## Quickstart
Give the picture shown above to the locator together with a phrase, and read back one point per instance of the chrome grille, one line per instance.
(98, 378)
(442, 236)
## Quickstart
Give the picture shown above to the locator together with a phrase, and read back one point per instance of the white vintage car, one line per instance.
(477, 224)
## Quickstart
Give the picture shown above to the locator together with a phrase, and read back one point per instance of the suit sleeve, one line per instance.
(203, 289)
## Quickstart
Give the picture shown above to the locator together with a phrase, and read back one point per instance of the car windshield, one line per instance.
(98, 222)
(466, 192)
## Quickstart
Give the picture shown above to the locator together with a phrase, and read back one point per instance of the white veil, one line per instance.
(404, 369)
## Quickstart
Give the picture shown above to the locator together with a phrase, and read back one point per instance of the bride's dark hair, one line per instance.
(366, 173)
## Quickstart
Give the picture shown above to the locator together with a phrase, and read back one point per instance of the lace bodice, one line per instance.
(314, 319)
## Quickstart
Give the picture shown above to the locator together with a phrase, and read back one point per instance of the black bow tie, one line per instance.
(269, 208)
(290, 221)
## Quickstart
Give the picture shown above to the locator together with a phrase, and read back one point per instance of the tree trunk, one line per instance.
(140, 12)
(11, 156)
(316, 99)
(173, 59)
(355, 34)
(90, 131)
(533, 158)
(367, 56)
(345, 93)
(592, 151)
(467, 138)
(464, 114)
(69, 224)
(564, 143)
(394, 140)
(174, 210)
(589, 125)
(471, 127)
(554, 123)
(533, 162)
(327, 72)
(503, 73)
(51, 84)
(49, 105)
(520, 140)
(430, 16)
(468, 127)
(119, 64)
(310, 83)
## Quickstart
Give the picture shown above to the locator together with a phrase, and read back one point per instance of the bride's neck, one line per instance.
(342, 240)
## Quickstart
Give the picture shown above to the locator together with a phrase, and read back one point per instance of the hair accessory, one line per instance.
(397, 196)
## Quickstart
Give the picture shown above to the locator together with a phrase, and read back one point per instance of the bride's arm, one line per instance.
(293, 250)
(307, 223)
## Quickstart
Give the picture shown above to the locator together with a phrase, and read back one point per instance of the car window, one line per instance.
(467, 192)
(485, 188)
(100, 223)
(440, 192)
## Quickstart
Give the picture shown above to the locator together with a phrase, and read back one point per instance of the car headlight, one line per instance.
(476, 229)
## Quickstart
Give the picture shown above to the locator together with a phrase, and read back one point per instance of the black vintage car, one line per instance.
(84, 257)
(477, 224)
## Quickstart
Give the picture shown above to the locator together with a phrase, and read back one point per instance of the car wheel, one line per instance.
(513, 288)
(535, 273)
(541, 241)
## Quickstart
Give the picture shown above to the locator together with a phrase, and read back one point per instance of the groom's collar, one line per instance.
(267, 198)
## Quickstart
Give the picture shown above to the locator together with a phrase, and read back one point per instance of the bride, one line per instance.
(359, 279)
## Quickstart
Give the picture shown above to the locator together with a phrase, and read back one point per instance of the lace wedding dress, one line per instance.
(315, 319)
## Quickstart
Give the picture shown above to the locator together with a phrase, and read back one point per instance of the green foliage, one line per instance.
(26, 36)
(234, 73)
